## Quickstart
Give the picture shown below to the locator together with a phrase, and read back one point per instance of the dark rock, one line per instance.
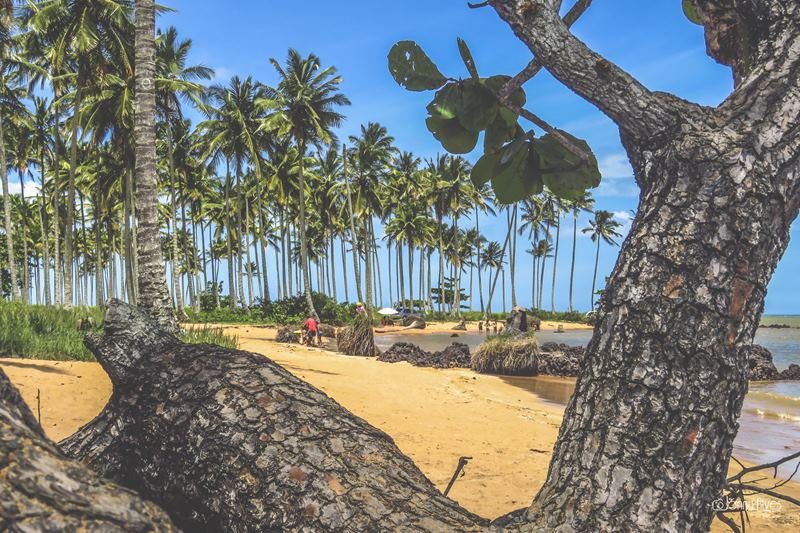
(454, 336)
(518, 322)
(461, 326)
(760, 363)
(286, 334)
(327, 331)
(454, 356)
(357, 339)
(565, 361)
(792, 373)
(414, 320)
(403, 351)
(777, 326)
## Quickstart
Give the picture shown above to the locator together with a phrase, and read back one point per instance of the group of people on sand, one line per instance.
(490, 327)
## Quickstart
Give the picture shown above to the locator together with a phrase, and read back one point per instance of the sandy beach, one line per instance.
(435, 417)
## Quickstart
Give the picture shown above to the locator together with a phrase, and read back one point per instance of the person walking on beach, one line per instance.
(312, 331)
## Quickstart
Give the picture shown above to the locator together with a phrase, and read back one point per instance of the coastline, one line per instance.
(435, 416)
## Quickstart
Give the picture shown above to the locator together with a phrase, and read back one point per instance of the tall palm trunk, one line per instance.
(69, 230)
(543, 263)
(410, 276)
(229, 240)
(441, 263)
(303, 241)
(594, 276)
(284, 251)
(333, 268)
(389, 265)
(512, 222)
(43, 228)
(173, 208)
(344, 268)
(8, 225)
(478, 259)
(367, 270)
(241, 234)
(555, 264)
(400, 276)
(152, 279)
(353, 233)
(572, 263)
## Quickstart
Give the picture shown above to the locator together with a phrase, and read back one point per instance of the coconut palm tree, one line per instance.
(304, 106)
(370, 159)
(153, 294)
(576, 206)
(602, 229)
(83, 37)
(493, 258)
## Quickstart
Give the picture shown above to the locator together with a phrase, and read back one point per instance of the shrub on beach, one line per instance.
(507, 355)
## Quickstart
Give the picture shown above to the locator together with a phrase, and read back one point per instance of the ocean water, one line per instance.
(770, 421)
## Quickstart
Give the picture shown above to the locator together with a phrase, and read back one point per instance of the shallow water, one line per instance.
(770, 421)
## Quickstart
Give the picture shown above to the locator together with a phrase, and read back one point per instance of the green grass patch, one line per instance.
(56, 334)
(210, 335)
(50, 333)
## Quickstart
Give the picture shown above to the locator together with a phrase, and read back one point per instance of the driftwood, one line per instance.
(42, 490)
(226, 440)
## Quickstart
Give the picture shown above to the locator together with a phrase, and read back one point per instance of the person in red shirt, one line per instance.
(312, 330)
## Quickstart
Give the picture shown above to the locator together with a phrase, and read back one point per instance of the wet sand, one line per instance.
(435, 416)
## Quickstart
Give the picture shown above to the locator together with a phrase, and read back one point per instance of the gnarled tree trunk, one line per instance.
(41, 490)
(227, 440)
(647, 437)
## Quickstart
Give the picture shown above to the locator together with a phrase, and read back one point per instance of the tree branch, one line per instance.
(774, 465)
(621, 97)
(533, 68)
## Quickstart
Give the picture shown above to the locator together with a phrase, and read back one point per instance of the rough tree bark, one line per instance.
(41, 490)
(226, 440)
(647, 437)
(152, 281)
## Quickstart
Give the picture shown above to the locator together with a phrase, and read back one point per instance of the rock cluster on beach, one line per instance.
(454, 356)
(286, 334)
(763, 369)
(560, 359)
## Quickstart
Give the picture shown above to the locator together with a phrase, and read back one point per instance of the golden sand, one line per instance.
(435, 416)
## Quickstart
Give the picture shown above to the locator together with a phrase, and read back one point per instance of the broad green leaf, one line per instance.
(508, 185)
(564, 173)
(454, 137)
(532, 174)
(690, 10)
(498, 133)
(413, 69)
(485, 169)
(469, 101)
(495, 83)
(466, 56)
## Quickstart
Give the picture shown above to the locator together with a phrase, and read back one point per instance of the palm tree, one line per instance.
(602, 228)
(370, 158)
(492, 257)
(303, 105)
(11, 95)
(533, 222)
(582, 203)
(81, 36)
(153, 294)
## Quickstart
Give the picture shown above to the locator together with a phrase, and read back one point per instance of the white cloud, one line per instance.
(221, 75)
(615, 166)
(626, 219)
(31, 188)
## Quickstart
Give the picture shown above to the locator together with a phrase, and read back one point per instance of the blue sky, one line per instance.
(652, 40)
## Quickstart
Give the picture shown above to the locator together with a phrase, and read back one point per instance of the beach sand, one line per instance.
(434, 416)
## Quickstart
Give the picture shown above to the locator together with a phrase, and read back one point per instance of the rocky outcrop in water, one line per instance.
(461, 326)
(414, 322)
(454, 356)
(560, 359)
(791, 373)
(761, 366)
(517, 323)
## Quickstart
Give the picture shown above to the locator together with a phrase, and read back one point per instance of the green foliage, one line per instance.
(690, 10)
(278, 312)
(56, 334)
(51, 333)
(413, 69)
(517, 164)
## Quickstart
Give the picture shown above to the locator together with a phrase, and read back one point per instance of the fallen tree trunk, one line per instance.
(41, 490)
(227, 440)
